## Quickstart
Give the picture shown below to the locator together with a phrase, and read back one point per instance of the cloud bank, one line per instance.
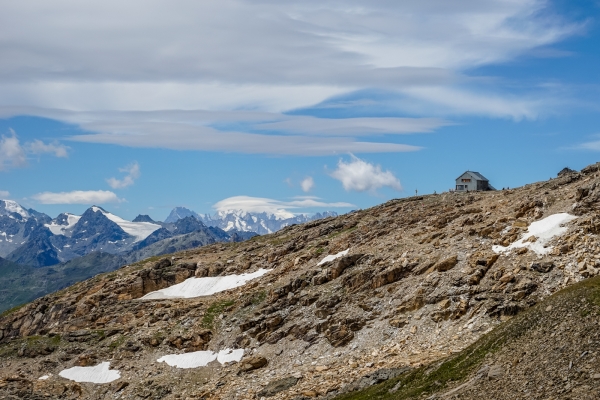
(269, 57)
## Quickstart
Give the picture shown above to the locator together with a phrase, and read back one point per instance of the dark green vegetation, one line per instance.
(213, 311)
(456, 369)
(20, 284)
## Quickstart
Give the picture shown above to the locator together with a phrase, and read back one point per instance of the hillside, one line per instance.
(400, 292)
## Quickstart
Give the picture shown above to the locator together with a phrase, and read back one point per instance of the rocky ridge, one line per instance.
(419, 284)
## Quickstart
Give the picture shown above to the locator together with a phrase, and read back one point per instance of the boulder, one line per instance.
(252, 363)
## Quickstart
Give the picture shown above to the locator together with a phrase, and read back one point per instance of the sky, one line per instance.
(310, 106)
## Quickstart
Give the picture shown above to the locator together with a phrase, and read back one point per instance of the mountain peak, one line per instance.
(8, 207)
(143, 218)
(181, 212)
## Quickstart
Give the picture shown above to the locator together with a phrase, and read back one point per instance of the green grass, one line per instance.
(215, 309)
(259, 297)
(430, 379)
(12, 310)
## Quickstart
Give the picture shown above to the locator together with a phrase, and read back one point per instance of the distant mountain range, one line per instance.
(243, 221)
(39, 254)
(32, 238)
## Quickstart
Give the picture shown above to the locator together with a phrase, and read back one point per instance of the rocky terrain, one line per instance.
(456, 295)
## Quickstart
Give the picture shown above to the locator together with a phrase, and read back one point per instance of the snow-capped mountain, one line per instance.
(32, 238)
(10, 208)
(243, 221)
(18, 225)
(180, 213)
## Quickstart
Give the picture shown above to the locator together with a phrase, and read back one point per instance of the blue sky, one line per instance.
(306, 106)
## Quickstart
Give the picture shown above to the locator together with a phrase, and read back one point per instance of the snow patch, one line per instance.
(544, 230)
(43, 377)
(97, 374)
(57, 229)
(202, 358)
(140, 230)
(196, 287)
(333, 257)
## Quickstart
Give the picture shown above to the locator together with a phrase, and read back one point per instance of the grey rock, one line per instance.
(278, 386)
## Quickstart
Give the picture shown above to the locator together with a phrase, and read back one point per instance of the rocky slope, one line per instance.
(423, 279)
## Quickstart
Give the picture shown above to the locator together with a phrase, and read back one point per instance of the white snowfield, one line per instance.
(333, 257)
(60, 229)
(13, 207)
(196, 287)
(141, 230)
(97, 374)
(544, 230)
(201, 358)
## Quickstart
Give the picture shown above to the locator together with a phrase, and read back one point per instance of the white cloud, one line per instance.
(277, 207)
(12, 154)
(77, 197)
(39, 147)
(4, 194)
(132, 171)
(307, 184)
(352, 126)
(361, 176)
(187, 137)
(232, 54)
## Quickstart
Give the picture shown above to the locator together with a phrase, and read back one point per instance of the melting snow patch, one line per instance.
(201, 358)
(43, 377)
(97, 374)
(544, 230)
(333, 257)
(196, 287)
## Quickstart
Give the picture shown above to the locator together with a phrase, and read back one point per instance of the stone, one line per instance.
(520, 223)
(321, 368)
(444, 304)
(252, 363)
(507, 277)
(398, 323)
(277, 386)
(446, 264)
(543, 267)
(495, 372)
